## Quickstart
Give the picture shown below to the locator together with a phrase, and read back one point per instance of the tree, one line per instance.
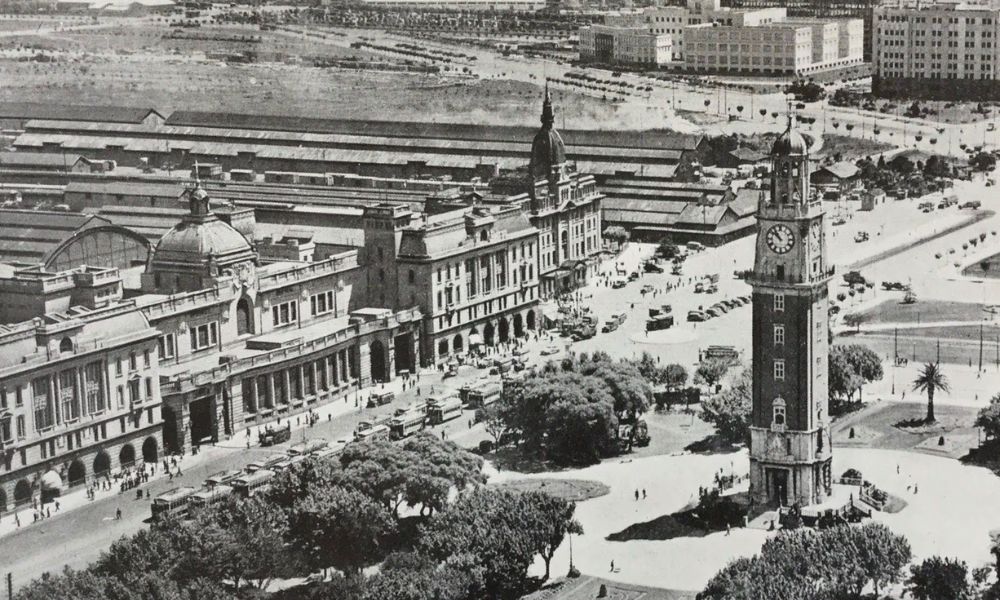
(632, 394)
(492, 527)
(340, 527)
(832, 563)
(618, 235)
(930, 379)
(415, 576)
(711, 371)
(855, 320)
(495, 422)
(241, 540)
(983, 161)
(937, 166)
(731, 410)
(667, 250)
(436, 466)
(939, 578)
(852, 366)
(550, 520)
(842, 379)
(674, 376)
(989, 418)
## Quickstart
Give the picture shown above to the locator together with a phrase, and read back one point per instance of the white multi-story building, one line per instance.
(703, 36)
(937, 49)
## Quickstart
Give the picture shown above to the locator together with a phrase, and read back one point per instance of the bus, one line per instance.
(328, 453)
(172, 502)
(416, 407)
(209, 497)
(371, 431)
(222, 477)
(267, 463)
(445, 410)
(288, 463)
(484, 396)
(380, 398)
(248, 485)
(307, 447)
(406, 425)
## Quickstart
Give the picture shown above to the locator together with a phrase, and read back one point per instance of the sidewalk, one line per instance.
(77, 497)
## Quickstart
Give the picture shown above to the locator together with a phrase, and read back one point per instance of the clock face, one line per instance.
(780, 239)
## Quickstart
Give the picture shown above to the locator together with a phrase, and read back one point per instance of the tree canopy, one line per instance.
(731, 410)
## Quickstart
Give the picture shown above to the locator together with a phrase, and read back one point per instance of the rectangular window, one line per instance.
(93, 385)
(779, 302)
(204, 336)
(120, 395)
(68, 399)
(779, 370)
(41, 403)
(285, 313)
(470, 278)
(118, 367)
(21, 429)
(19, 396)
(134, 395)
(165, 346)
(779, 334)
(132, 364)
(149, 388)
(145, 358)
(321, 303)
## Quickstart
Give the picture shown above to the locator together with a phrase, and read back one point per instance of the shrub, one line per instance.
(852, 474)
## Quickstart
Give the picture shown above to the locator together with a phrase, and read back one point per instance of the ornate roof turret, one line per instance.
(790, 143)
(547, 149)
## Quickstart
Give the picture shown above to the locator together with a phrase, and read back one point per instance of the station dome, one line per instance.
(790, 143)
(547, 149)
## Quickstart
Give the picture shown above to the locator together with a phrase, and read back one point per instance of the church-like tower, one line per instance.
(790, 446)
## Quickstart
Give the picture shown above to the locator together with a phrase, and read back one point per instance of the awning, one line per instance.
(557, 274)
(475, 339)
(51, 481)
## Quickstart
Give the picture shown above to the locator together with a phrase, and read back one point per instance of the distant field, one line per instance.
(851, 148)
(181, 83)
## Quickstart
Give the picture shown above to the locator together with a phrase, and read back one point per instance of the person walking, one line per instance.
(118, 514)
(612, 566)
(637, 495)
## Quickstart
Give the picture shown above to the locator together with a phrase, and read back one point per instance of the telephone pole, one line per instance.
(980, 346)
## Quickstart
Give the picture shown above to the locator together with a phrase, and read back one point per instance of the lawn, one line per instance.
(880, 426)
(572, 490)
(893, 311)
(851, 148)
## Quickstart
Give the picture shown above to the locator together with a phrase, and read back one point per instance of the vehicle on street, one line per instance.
(854, 278)
(272, 436)
(973, 204)
(660, 322)
(267, 463)
(484, 396)
(550, 350)
(722, 353)
(172, 502)
(699, 288)
(445, 409)
(380, 398)
(651, 267)
(406, 425)
(609, 326)
(861, 236)
(209, 497)
(253, 483)
(696, 315)
(633, 276)
(308, 447)
(713, 312)
(618, 284)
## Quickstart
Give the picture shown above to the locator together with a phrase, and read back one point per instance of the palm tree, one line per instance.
(931, 379)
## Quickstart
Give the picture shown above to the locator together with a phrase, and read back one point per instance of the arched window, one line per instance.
(778, 419)
(66, 345)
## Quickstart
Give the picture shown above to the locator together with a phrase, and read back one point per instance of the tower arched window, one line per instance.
(778, 418)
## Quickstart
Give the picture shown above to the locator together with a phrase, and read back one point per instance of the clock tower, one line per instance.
(790, 443)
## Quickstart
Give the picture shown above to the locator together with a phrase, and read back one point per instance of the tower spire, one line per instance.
(548, 117)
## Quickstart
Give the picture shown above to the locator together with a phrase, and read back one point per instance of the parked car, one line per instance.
(973, 204)
(699, 287)
(618, 284)
(696, 315)
(713, 312)
(861, 236)
(550, 350)
(651, 267)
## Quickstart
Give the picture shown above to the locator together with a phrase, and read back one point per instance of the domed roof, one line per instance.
(201, 237)
(790, 143)
(547, 149)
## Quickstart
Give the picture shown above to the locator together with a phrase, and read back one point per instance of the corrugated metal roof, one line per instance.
(642, 205)
(39, 159)
(72, 112)
(29, 235)
(633, 216)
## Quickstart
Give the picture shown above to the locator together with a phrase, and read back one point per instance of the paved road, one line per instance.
(76, 537)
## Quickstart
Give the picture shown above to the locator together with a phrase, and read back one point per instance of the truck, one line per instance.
(272, 436)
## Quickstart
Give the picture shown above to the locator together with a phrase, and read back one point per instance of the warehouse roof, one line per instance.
(30, 235)
(648, 139)
(73, 112)
(45, 160)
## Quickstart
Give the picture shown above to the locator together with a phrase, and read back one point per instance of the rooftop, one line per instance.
(69, 112)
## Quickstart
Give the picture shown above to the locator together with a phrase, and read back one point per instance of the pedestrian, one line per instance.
(636, 495)
(643, 493)
(17, 519)
(442, 434)
(48, 511)
(728, 529)
(57, 506)
(914, 489)
(897, 469)
(612, 566)
(118, 514)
